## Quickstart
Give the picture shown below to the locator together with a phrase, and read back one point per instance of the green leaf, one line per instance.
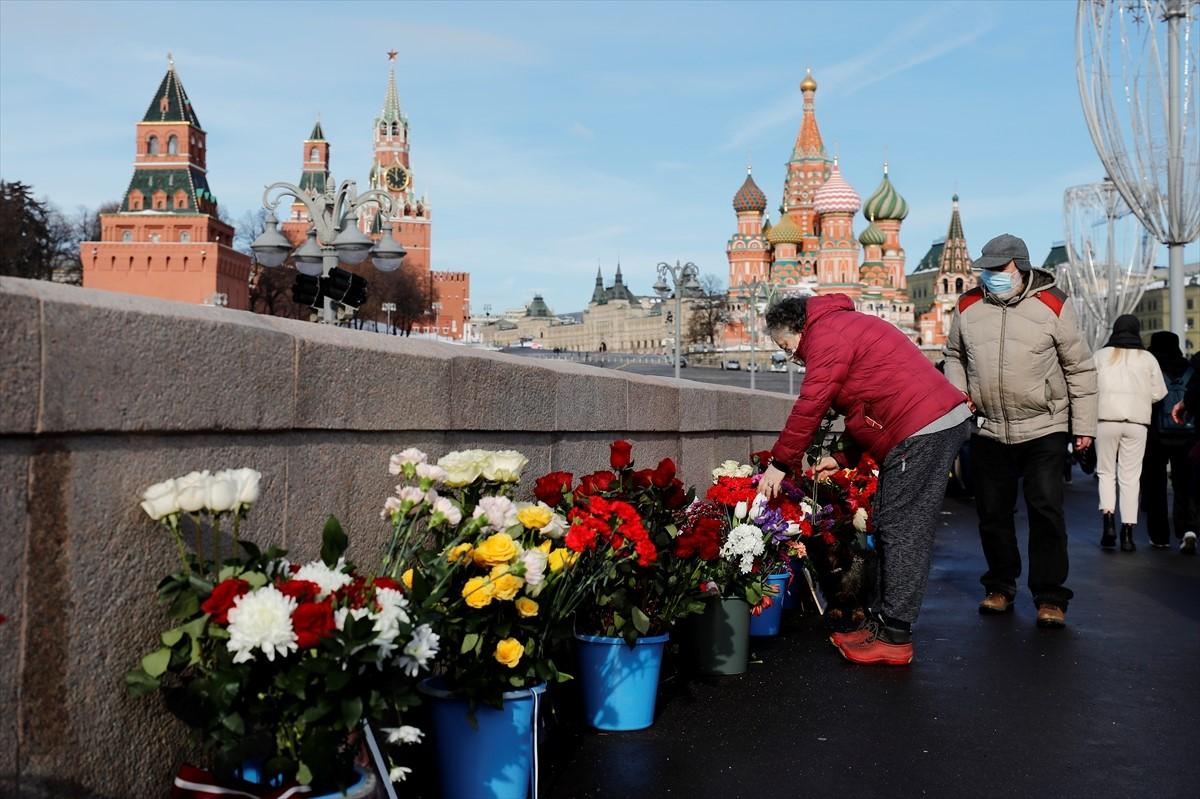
(470, 641)
(351, 712)
(233, 722)
(157, 661)
(316, 712)
(618, 621)
(172, 636)
(256, 579)
(139, 683)
(640, 620)
(185, 605)
(333, 542)
(304, 774)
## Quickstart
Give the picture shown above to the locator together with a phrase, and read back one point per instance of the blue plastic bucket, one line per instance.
(251, 771)
(491, 759)
(619, 682)
(767, 622)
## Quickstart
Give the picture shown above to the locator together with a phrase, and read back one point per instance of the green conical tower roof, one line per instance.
(885, 202)
(872, 235)
(317, 134)
(170, 102)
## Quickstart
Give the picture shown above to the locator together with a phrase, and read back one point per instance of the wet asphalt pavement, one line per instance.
(991, 706)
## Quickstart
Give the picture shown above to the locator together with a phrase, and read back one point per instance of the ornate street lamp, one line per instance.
(683, 278)
(333, 234)
(1109, 257)
(1143, 111)
(758, 296)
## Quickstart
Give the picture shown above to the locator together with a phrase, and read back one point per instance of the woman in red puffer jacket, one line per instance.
(901, 410)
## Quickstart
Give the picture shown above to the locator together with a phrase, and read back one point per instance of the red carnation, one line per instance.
(550, 488)
(300, 590)
(621, 454)
(387, 582)
(581, 537)
(222, 598)
(664, 473)
(647, 553)
(312, 621)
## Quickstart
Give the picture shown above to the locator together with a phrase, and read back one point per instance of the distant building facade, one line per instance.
(939, 280)
(167, 239)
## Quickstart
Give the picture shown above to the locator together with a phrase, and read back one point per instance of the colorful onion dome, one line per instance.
(785, 231)
(749, 197)
(836, 195)
(872, 235)
(808, 84)
(885, 202)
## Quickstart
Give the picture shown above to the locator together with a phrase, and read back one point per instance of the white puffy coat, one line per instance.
(1129, 382)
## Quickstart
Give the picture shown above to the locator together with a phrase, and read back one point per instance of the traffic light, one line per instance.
(308, 290)
(346, 288)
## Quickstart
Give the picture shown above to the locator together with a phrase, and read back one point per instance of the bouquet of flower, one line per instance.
(494, 572)
(622, 526)
(274, 663)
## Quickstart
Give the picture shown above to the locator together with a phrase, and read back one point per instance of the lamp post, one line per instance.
(333, 234)
(761, 293)
(436, 309)
(388, 307)
(683, 278)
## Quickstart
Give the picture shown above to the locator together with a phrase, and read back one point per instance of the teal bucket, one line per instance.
(767, 622)
(619, 682)
(492, 758)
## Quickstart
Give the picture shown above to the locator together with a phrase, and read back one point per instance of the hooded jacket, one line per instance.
(1023, 362)
(866, 369)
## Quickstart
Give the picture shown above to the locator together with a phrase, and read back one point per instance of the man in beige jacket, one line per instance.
(1016, 351)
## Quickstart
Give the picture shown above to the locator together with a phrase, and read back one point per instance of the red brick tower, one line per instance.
(836, 203)
(808, 170)
(166, 240)
(748, 250)
(886, 209)
(314, 180)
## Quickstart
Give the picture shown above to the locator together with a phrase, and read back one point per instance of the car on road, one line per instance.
(778, 362)
(732, 364)
(752, 366)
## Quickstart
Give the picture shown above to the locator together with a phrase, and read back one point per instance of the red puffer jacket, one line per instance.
(867, 370)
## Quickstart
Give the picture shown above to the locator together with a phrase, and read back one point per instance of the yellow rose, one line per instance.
(526, 607)
(561, 558)
(407, 578)
(478, 592)
(535, 517)
(545, 546)
(505, 585)
(509, 652)
(460, 553)
(495, 549)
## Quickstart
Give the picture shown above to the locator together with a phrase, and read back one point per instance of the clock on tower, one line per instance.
(396, 178)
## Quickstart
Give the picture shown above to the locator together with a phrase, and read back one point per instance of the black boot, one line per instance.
(1127, 538)
(1108, 539)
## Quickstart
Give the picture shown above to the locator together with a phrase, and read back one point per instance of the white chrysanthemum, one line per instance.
(860, 520)
(261, 620)
(398, 773)
(501, 513)
(504, 466)
(732, 469)
(557, 527)
(392, 613)
(419, 651)
(327, 579)
(449, 511)
(403, 735)
(409, 457)
(744, 544)
(341, 614)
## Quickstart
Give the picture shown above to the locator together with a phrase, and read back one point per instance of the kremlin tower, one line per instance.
(167, 240)
(938, 282)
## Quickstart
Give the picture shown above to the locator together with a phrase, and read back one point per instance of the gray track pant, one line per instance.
(908, 504)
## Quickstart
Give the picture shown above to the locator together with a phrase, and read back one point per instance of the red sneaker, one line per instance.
(853, 636)
(873, 650)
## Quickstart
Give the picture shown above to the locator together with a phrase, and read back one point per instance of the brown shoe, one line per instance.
(995, 603)
(1051, 616)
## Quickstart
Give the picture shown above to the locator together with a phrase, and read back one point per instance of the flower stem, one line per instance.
(237, 524)
(216, 542)
(173, 526)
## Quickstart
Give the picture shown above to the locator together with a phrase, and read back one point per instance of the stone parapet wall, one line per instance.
(102, 394)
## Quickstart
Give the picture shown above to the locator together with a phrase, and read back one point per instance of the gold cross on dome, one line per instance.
(392, 55)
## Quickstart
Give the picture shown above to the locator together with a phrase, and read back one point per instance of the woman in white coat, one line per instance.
(1129, 381)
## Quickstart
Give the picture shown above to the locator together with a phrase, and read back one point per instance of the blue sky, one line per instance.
(552, 137)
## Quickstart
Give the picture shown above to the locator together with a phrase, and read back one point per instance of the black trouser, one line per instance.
(1160, 452)
(998, 468)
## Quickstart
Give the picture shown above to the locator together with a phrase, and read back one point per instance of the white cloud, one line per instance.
(581, 130)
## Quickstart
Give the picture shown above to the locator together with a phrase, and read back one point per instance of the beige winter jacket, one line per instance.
(1023, 362)
(1130, 382)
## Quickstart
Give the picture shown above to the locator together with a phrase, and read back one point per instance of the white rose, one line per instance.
(193, 491)
(247, 485)
(161, 499)
(222, 493)
(557, 527)
(758, 506)
(860, 520)
(739, 512)
(462, 468)
(504, 466)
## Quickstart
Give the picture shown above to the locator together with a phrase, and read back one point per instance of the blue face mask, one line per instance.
(996, 282)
